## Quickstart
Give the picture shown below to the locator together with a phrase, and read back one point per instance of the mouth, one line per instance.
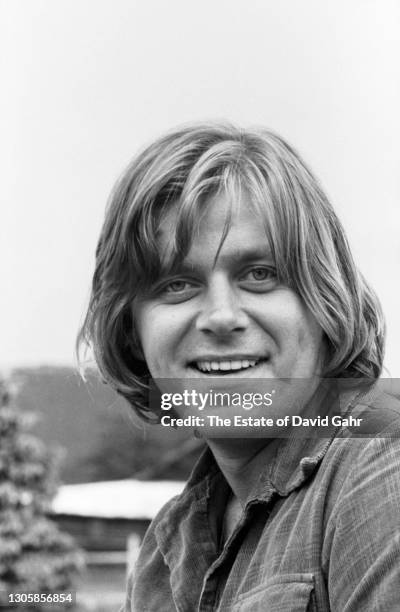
(223, 367)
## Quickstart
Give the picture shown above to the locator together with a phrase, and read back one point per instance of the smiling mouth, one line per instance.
(226, 366)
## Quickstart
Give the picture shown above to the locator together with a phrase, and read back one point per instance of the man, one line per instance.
(221, 258)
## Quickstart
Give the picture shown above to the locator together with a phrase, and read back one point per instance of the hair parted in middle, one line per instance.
(185, 168)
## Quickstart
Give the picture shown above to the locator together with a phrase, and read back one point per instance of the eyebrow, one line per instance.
(238, 257)
(247, 254)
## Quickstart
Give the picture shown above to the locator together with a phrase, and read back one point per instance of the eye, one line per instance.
(177, 286)
(178, 290)
(260, 274)
(259, 278)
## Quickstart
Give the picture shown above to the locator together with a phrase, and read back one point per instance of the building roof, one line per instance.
(127, 499)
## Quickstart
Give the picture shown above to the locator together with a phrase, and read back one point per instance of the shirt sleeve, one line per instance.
(126, 607)
(364, 568)
(148, 585)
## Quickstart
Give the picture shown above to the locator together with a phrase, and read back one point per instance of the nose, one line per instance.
(221, 313)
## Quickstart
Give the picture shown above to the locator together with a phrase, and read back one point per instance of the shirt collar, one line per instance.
(295, 460)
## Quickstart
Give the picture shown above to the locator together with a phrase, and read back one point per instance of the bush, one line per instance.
(35, 556)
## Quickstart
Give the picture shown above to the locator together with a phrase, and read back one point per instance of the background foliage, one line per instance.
(101, 437)
(34, 555)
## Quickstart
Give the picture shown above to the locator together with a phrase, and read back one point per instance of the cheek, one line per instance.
(299, 326)
(145, 329)
(158, 328)
(309, 334)
(310, 345)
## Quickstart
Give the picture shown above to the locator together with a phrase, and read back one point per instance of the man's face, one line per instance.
(227, 316)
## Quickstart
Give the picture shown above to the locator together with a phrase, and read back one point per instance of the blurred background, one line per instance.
(85, 84)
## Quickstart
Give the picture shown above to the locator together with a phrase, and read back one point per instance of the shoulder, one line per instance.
(375, 440)
(162, 517)
(150, 564)
(360, 473)
(379, 402)
(368, 414)
(363, 519)
(360, 470)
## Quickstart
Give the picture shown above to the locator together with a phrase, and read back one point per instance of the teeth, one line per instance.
(215, 366)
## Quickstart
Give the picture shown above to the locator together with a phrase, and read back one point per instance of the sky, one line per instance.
(85, 84)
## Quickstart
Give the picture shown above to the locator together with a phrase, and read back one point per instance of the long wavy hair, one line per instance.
(187, 166)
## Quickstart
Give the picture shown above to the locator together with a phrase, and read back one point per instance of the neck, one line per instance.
(241, 461)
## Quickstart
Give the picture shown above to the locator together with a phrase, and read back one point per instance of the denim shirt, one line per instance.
(320, 531)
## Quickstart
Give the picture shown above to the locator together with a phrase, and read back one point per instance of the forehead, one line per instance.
(223, 228)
